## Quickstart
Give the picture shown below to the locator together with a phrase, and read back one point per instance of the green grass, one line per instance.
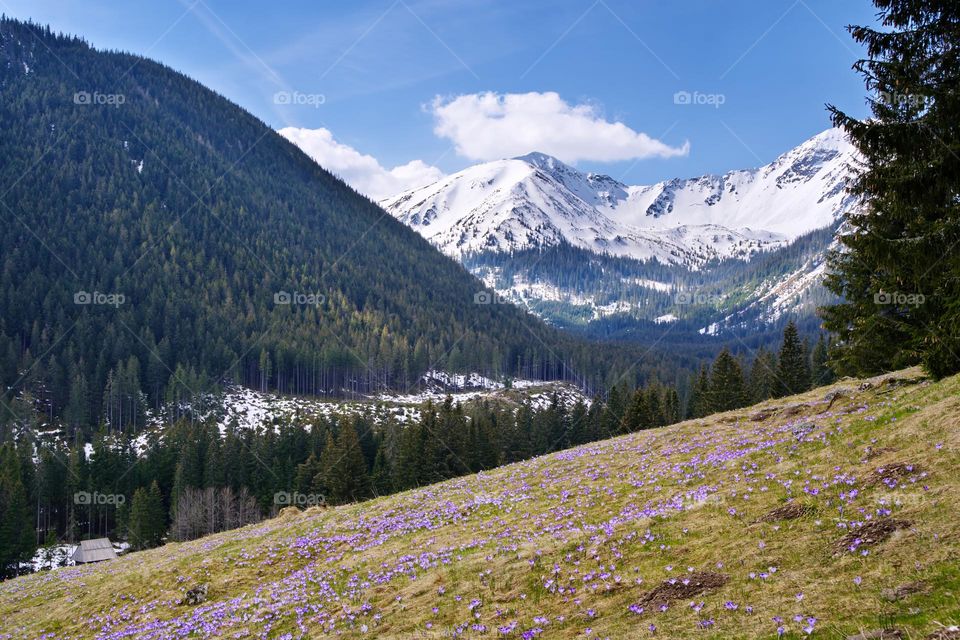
(560, 518)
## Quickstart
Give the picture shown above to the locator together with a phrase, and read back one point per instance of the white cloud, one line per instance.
(360, 171)
(490, 126)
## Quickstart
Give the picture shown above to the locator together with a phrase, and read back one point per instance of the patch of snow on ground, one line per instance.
(465, 388)
(59, 555)
(249, 409)
(710, 330)
(460, 381)
(663, 287)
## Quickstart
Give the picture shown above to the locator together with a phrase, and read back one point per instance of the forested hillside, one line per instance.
(603, 296)
(158, 239)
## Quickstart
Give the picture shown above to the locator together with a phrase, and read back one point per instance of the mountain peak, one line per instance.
(542, 160)
(497, 207)
(833, 138)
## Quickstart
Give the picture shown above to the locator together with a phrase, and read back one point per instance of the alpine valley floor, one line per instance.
(828, 514)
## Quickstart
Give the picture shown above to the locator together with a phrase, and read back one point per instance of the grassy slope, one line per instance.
(611, 520)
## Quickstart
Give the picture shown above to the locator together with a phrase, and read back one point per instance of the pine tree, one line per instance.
(156, 514)
(214, 474)
(820, 369)
(518, 441)
(16, 531)
(671, 406)
(637, 415)
(727, 389)
(763, 372)
(76, 481)
(381, 477)
(343, 469)
(406, 471)
(147, 518)
(807, 360)
(329, 458)
(180, 486)
(265, 369)
(897, 271)
(484, 439)
(699, 404)
(304, 480)
(615, 408)
(579, 424)
(76, 413)
(793, 372)
(656, 401)
(450, 434)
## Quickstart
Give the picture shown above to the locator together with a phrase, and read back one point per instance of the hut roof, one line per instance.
(94, 551)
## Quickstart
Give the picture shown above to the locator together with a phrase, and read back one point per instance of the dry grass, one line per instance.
(518, 539)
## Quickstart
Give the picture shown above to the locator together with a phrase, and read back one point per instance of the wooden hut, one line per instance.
(94, 551)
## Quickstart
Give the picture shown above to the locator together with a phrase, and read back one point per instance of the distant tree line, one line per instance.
(192, 478)
(728, 384)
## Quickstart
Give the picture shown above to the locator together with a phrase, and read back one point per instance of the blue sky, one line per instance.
(451, 83)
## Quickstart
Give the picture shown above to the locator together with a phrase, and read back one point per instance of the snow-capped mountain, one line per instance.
(653, 254)
(535, 200)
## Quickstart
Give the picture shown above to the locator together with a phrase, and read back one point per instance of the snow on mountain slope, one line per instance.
(800, 191)
(498, 206)
(536, 200)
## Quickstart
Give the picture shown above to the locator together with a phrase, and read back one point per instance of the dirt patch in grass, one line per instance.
(789, 511)
(870, 452)
(893, 383)
(794, 409)
(288, 513)
(870, 533)
(945, 634)
(692, 585)
(904, 591)
(762, 415)
(832, 397)
(895, 471)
